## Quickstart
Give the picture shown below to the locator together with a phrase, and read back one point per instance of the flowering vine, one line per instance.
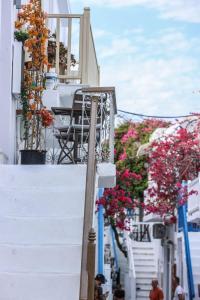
(172, 159)
(132, 177)
(35, 115)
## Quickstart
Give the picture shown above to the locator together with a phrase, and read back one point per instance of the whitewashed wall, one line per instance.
(7, 101)
(7, 105)
(56, 6)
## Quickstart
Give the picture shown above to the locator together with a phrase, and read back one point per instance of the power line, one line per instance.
(158, 117)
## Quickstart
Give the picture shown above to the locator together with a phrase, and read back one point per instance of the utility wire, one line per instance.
(159, 117)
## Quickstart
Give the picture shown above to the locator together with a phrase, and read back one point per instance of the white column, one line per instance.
(85, 45)
(7, 115)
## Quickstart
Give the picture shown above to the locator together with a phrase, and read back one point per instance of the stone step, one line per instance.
(143, 252)
(41, 230)
(142, 294)
(21, 176)
(143, 287)
(29, 286)
(145, 262)
(145, 269)
(145, 275)
(40, 259)
(143, 245)
(38, 201)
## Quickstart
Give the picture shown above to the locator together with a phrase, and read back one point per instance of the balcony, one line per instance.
(67, 141)
(72, 33)
(194, 201)
(72, 59)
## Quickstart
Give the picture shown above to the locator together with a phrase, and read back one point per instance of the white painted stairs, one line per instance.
(145, 267)
(194, 239)
(41, 221)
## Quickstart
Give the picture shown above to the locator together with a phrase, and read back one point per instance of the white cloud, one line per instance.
(152, 84)
(118, 47)
(99, 33)
(183, 10)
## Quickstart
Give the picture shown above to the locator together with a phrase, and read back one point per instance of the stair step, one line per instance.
(41, 230)
(48, 201)
(143, 287)
(42, 286)
(142, 294)
(41, 259)
(145, 262)
(145, 269)
(144, 253)
(42, 175)
(148, 275)
(143, 245)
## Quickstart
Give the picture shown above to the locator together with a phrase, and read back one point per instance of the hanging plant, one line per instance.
(63, 55)
(21, 35)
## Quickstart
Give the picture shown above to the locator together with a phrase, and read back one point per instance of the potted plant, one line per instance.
(35, 116)
(51, 76)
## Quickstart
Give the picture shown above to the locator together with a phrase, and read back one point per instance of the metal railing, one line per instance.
(66, 29)
(194, 201)
(72, 132)
(66, 136)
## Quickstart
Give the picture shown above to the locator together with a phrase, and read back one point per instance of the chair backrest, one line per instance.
(81, 108)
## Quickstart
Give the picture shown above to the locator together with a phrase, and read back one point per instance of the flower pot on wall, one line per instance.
(51, 80)
(33, 157)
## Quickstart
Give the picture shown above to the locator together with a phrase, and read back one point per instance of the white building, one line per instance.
(47, 210)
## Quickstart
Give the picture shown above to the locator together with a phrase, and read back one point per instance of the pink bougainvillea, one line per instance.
(131, 172)
(172, 159)
(132, 133)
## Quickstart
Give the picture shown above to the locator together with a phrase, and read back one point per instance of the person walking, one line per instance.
(119, 294)
(179, 292)
(98, 290)
(156, 293)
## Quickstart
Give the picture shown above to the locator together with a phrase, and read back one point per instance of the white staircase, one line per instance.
(194, 239)
(41, 223)
(145, 267)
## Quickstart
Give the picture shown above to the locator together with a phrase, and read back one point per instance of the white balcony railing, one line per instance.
(194, 201)
(130, 280)
(75, 33)
(68, 139)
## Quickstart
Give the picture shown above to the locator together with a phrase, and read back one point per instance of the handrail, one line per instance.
(131, 266)
(66, 16)
(89, 201)
(130, 254)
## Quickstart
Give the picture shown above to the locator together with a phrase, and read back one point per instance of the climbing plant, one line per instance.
(172, 159)
(31, 20)
(132, 175)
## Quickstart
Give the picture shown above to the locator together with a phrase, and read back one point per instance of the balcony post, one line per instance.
(85, 46)
(89, 198)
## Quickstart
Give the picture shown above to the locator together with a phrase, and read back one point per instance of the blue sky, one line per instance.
(150, 51)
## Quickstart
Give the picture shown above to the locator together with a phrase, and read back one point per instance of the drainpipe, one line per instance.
(100, 236)
(89, 199)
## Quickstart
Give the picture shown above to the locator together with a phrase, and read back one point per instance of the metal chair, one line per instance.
(73, 138)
